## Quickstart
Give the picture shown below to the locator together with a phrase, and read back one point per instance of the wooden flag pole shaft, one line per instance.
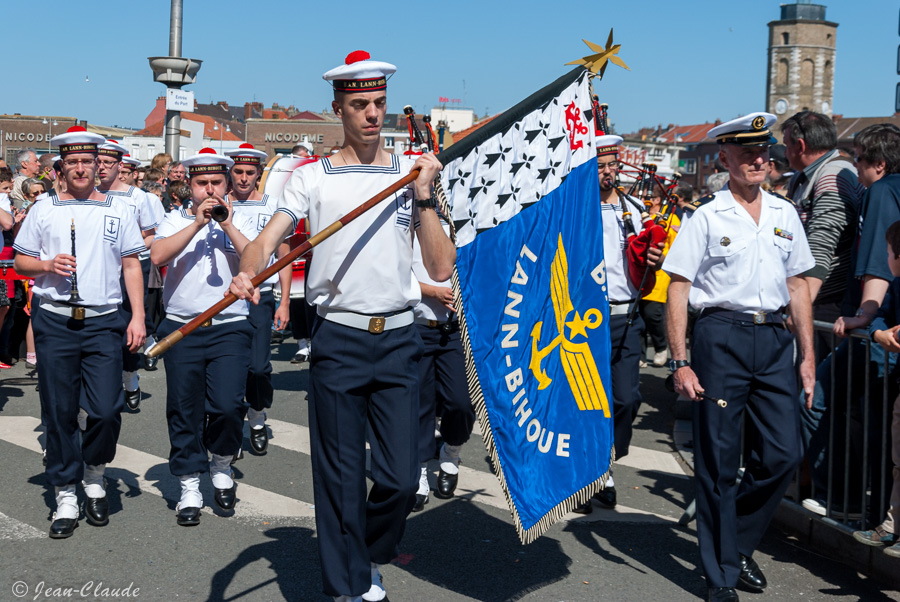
(165, 344)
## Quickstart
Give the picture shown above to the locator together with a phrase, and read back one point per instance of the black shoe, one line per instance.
(277, 337)
(421, 500)
(259, 440)
(585, 508)
(62, 528)
(188, 517)
(751, 576)
(133, 399)
(150, 363)
(96, 511)
(722, 594)
(225, 498)
(446, 485)
(606, 497)
(11, 361)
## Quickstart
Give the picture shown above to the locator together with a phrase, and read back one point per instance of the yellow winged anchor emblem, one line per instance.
(576, 358)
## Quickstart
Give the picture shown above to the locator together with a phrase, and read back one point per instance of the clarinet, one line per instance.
(74, 297)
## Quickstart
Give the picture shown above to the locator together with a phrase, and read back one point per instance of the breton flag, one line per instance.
(524, 198)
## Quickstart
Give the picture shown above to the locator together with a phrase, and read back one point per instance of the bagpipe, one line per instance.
(654, 228)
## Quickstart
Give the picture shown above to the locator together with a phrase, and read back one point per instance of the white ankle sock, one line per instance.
(131, 380)
(450, 458)
(190, 492)
(220, 471)
(256, 419)
(94, 486)
(66, 502)
(609, 481)
(423, 481)
(376, 591)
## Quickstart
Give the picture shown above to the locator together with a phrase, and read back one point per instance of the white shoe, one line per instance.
(660, 358)
(376, 591)
(450, 458)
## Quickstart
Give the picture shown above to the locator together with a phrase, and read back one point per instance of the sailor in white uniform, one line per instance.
(246, 200)
(206, 373)
(80, 335)
(148, 212)
(363, 369)
(740, 260)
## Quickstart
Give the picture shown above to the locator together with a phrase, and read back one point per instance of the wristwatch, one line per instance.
(676, 364)
(430, 202)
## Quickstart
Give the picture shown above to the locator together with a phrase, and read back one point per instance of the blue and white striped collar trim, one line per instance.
(60, 202)
(394, 167)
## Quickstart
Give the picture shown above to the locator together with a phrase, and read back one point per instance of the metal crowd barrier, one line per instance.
(846, 505)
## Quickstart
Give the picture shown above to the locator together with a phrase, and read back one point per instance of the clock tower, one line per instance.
(801, 61)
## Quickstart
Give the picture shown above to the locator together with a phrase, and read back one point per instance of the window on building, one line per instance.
(388, 142)
(781, 72)
(807, 73)
(706, 159)
(785, 38)
(688, 166)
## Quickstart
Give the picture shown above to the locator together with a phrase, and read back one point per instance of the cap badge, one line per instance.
(725, 241)
(759, 122)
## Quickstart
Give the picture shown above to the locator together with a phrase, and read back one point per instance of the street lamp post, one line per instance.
(49, 131)
(216, 128)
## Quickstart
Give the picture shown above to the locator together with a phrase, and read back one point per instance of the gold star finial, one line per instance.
(596, 63)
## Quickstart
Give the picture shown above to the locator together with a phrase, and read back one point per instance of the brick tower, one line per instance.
(801, 61)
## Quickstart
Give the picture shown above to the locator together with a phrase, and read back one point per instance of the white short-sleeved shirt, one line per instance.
(367, 266)
(735, 264)
(105, 232)
(429, 308)
(259, 213)
(147, 208)
(199, 276)
(618, 283)
(5, 205)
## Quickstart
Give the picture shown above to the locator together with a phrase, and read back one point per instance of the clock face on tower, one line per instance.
(781, 106)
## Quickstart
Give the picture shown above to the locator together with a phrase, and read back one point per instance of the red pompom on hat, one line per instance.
(76, 128)
(206, 151)
(356, 56)
(246, 145)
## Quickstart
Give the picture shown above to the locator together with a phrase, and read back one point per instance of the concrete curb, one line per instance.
(813, 532)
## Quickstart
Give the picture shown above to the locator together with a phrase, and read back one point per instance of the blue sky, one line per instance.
(691, 61)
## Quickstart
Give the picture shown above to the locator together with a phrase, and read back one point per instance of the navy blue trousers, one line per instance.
(206, 373)
(362, 385)
(259, 379)
(132, 361)
(752, 368)
(442, 384)
(81, 365)
(626, 382)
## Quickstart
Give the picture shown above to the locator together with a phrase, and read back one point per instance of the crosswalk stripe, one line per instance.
(12, 529)
(484, 488)
(253, 502)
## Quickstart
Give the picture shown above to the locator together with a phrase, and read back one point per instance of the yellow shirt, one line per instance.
(662, 279)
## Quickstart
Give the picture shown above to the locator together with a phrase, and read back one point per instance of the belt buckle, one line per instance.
(376, 325)
(78, 313)
(206, 323)
(759, 317)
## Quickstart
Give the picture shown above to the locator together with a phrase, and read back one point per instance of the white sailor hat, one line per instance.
(247, 155)
(126, 158)
(77, 140)
(112, 148)
(749, 130)
(207, 161)
(608, 145)
(360, 74)
(308, 146)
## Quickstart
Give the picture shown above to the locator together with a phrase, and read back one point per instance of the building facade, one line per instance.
(801, 61)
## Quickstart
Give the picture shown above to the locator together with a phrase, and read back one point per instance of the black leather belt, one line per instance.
(757, 318)
(444, 326)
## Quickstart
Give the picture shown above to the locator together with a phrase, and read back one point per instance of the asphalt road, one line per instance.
(460, 549)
